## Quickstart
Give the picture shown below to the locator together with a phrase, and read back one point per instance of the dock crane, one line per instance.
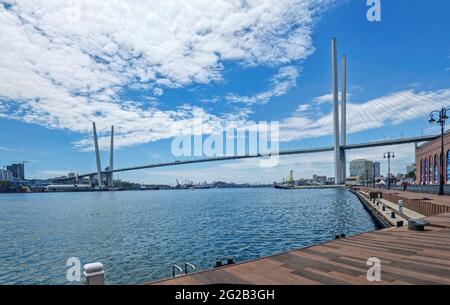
(290, 179)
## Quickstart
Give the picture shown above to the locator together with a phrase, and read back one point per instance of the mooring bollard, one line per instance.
(94, 274)
(342, 235)
(337, 236)
(400, 207)
(218, 263)
(230, 260)
(399, 223)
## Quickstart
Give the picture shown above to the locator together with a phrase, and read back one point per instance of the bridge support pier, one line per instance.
(111, 159)
(97, 157)
(337, 148)
(343, 121)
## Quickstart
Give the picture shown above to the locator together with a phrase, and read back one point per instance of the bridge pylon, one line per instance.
(339, 139)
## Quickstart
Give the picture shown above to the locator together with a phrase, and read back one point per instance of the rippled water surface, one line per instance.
(139, 235)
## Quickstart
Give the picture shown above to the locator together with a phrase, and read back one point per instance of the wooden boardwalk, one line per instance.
(407, 257)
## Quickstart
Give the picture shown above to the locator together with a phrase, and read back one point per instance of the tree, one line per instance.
(411, 175)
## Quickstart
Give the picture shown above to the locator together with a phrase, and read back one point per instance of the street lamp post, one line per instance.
(388, 155)
(442, 114)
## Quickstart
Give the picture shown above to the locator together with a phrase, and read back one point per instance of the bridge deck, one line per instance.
(407, 257)
(281, 153)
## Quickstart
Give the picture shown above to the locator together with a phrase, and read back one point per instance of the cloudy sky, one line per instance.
(150, 67)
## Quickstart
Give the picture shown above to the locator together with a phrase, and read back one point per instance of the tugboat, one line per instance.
(287, 184)
(281, 186)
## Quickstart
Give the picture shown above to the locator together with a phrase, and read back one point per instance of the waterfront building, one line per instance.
(362, 168)
(377, 169)
(18, 170)
(354, 180)
(428, 161)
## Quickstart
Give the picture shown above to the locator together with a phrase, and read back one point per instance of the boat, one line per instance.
(282, 186)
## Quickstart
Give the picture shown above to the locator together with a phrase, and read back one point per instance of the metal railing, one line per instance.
(427, 188)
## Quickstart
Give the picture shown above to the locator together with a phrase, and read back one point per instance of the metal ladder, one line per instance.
(181, 271)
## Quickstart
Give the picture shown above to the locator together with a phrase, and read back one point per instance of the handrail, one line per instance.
(174, 267)
(188, 265)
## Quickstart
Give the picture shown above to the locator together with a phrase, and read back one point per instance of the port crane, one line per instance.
(290, 179)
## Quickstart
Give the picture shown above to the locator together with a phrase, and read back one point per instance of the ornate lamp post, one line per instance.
(442, 117)
(388, 155)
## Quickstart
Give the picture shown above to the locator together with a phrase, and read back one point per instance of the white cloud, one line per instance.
(328, 98)
(285, 79)
(303, 108)
(63, 65)
(392, 109)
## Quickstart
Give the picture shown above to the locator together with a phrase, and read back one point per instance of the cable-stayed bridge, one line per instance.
(339, 138)
(281, 153)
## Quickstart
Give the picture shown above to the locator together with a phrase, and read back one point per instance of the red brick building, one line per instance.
(428, 161)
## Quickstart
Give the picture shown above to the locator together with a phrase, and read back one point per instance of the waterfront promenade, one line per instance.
(425, 204)
(407, 257)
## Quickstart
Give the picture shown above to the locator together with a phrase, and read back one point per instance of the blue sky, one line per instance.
(148, 68)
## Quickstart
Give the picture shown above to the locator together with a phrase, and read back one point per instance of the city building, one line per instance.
(377, 169)
(18, 171)
(428, 161)
(362, 168)
(354, 180)
(6, 175)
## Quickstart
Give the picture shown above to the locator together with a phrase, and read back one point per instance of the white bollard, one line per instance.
(400, 207)
(94, 274)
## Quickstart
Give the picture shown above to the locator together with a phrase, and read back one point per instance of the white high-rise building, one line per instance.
(6, 175)
(361, 168)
